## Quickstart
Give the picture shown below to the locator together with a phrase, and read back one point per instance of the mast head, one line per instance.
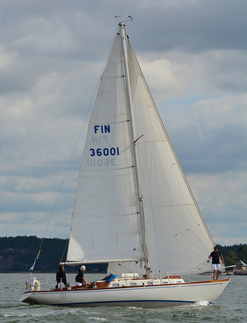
(122, 23)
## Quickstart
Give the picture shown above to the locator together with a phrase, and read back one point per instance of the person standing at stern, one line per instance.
(216, 256)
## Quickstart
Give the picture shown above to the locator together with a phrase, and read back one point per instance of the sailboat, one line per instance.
(134, 209)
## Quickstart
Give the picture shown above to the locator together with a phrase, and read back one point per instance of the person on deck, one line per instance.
(80, 280)
(61, 277)
(216, 256)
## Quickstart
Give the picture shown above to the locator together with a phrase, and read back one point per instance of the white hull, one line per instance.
(143, 296)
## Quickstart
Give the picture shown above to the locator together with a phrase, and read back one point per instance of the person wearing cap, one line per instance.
(80, 280)
(216, 256)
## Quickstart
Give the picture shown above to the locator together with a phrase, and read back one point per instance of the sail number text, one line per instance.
(109, 153)
(102, 156)
(104, 151)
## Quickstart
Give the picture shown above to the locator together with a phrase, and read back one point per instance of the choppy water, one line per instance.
(231, 306)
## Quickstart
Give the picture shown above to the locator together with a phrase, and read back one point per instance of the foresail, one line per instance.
(177, 236)
(105, 222)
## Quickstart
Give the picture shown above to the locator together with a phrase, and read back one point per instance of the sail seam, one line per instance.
(112, 78)
(110, 170)
(116, 122)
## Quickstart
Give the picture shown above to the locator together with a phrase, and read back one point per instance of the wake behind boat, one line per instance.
(134, 208)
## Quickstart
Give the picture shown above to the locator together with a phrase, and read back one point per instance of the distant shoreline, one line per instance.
(240, 272)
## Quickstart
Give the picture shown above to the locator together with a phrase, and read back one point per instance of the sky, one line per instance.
(193, 54)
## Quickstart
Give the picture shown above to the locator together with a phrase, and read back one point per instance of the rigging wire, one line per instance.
(65, 248)
(64, 178)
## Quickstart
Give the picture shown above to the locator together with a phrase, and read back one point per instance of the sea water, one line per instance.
(231, 306)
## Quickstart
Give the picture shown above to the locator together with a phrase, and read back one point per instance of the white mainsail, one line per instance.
(106, 223)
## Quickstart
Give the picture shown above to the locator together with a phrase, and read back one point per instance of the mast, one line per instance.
(139, 192)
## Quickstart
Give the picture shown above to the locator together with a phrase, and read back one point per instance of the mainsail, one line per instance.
(107, 222)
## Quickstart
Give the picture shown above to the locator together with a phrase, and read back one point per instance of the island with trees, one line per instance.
(17, 254)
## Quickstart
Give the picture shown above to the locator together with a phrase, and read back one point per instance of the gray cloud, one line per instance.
(193, 54)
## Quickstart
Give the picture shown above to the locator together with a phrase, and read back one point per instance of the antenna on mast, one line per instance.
(123, 21)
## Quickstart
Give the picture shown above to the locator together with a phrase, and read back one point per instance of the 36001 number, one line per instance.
(104, 151)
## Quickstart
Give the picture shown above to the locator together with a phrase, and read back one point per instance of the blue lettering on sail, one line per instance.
(102, 156)
(102, 128)
(104, 151)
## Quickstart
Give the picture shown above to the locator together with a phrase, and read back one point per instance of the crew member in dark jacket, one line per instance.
(80, 280)
(61, 275)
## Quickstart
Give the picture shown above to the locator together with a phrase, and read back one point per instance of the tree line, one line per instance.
(17, 254)
(233, 254)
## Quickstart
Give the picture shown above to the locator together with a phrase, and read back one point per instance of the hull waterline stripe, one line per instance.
(129, 301)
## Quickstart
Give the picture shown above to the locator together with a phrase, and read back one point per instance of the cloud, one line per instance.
(213, 73)
(222, 199)
(193, 56)
(192, 25)
(215, 131)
